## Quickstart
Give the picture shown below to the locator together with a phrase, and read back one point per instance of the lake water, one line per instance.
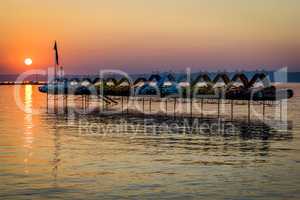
(45, 156)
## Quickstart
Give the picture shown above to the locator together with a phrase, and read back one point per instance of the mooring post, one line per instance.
(231, 110)
(82, 102)
(219, 107)
(47, 106)
(150, 101)
(143, 105)
(127, 111)
(166, 106)
(174, 109)
(65, 103)
(122, 104)
(87, 101)
(55, 103)
(249, 110)
(103, 103)
(202, 107)
(280, 110)
(133, 101)
(191, 107)
(47, 100)
(264, 110)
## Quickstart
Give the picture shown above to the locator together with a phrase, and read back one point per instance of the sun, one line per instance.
(28, 61)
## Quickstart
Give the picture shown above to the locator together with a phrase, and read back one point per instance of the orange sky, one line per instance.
(144, 35)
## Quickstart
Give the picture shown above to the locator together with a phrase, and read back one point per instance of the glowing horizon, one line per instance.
(142, 36)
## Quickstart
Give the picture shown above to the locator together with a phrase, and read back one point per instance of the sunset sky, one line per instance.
(146, 35)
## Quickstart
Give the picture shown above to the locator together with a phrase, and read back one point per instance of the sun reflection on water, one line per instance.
(28, 125)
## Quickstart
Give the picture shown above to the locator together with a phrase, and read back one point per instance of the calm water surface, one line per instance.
(46, 157)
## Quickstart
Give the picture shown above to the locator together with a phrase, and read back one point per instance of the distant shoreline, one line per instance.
(27, 83)
(9, 79)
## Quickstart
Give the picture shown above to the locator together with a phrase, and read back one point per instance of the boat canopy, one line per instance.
(259, 80)
(168, 80)
(111, 82)
(239, 80)
(86, 82)
(124, 82)
(202, 80)
(139, 82)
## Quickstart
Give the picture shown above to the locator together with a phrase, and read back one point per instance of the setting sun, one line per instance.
(28, 61)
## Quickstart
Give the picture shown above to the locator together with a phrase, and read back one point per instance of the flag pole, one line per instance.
(56, 60)
(56, 63)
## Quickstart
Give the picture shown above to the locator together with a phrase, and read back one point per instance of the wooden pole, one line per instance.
(202, 107)
(127, 111)
(67, 99)
(55, 97)
(249, 110)
(191, 107)
(87, 101)
(280, 110)
(103, 103)
(47, 90)
(48, 99)
(231, 110)
(166, 106)
(82, 102)
(122, 103)
(133, 100)
(174, 109)
(65, 103)
(143, 105)
(150, 101)
(54, 103)
(219, 108)
(264, 110)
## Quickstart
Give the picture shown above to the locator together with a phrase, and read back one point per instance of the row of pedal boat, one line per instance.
(258, 88)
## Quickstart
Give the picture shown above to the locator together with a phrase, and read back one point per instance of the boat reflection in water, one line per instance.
(158, 127)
